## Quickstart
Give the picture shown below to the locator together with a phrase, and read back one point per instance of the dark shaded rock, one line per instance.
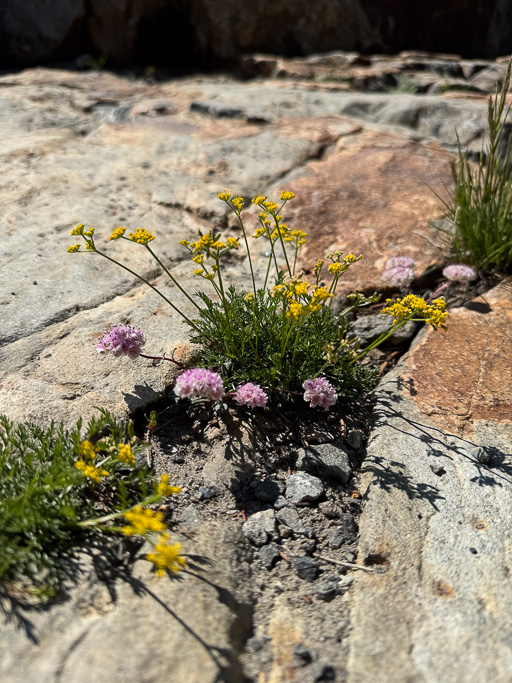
(281, 502)
(329, 461)
(355, 439)
(306, 568)
(303, 654)
(369, 327)
(322, 672)
(344, 533)
(268, 490)
(269, 554)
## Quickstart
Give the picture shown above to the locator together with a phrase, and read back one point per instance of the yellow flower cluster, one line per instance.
(79, 230)
(224, 196)
(434, 313)
(117, 233)
(166, 556)
(238, 203)
(163, 488)
(91, 471)
(125, 454)
(74, 248)
(141, 236)
(286, 195)
(296, 289)
(87, 450)
(141, 520)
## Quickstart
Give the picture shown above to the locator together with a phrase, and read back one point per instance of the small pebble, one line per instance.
(306, 568)
(269, 554)
(303, 654)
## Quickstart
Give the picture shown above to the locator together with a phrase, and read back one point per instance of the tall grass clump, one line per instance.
(480, 205)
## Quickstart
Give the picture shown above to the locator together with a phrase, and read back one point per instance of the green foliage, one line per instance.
(261, 354)
(281, 332)
(45, 498)
(480, 206)
(404, 85)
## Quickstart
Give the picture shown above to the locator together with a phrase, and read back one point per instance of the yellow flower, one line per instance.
(143, 520)
(295, 311)
(260, 199)
(218, 245)
(89, 233)
(210, 276)
(434, 314)
(125, 454)
(87, 450)
(141, 236)
(90, 247)
(198, 259)
(163, 489)
(74, 248)
(301, 288)
(286, 195)
(184, 243)
(318, 266)
(90, 471)
(166, 556)
(352, 258)
(238, 203)
(335, 268)
(215, 268)
(270, 206)
(224, 196)
(321, 294)
(262, 216)
(79, 230)
(232, 243)
(198, 271)
(117, 233)
(249, 297)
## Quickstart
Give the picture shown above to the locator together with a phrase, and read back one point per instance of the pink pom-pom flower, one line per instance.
(399, 270)
(122, 340)
(458, 272)
(199, 382)
(251, 395)
(320, 392)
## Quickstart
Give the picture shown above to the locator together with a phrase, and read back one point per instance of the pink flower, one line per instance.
(251, 395)
(122, 340)
(199, 382)
(319, 392)
(458, 272)
(399, 270)
(400, 262)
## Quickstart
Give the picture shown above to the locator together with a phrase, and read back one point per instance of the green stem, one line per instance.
(146, 282)
(169, 275)
(248, 251)
(114, 515)
(282, 245)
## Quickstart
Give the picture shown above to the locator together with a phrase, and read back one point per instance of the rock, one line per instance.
(281, 503)
(325, 590)
(303, 488)
(306, 568)
(369, 327)
(355, 439)
(400, 616)
(321, 671)
(290, 518)
(344, 533)
(329, 461)
(206, 492)
(303, 654)
(129, 634)
(260, 527)
(268, 490)
(269, 554)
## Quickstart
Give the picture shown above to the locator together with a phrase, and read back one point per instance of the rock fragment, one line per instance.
(303, 488)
